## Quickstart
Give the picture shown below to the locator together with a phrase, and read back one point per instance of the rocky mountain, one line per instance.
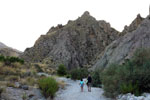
(76, 44)
(8, 51)
(124, 47)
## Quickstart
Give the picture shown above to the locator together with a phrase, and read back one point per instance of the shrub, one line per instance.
(24, 96)
(12, 78)
(131, 77)
(2, 89)
(110, 81)
(129, 88)
(68, 76)
(10, 84)
(96, 79)
(79, 73)
(38, 68)
(61, 70)
(28, 81)
(2, 77)
(8, 71)
(75, 74)
(8, 60)
(48, 86)
(2, 58)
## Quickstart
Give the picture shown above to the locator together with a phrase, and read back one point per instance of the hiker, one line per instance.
(81, 84)
(89, 82)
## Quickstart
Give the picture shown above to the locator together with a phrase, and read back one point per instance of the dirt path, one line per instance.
(73, 92)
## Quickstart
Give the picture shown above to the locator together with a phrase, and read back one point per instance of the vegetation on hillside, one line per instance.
(96, 78)
(133, 76)
(62, 70)
(9, 60)
(79, 73)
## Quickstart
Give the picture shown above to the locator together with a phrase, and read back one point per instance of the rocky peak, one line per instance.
(133, 26)
(86, 14)
(86, 17)
(75, 44)
(125, 46)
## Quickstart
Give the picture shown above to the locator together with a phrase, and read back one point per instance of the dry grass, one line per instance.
(3, 83)
(17, 65)
(10, 84)
(62, 84)
(1, 64)
(44, 67)
(31, 81)
(12, 78)
(8, 71)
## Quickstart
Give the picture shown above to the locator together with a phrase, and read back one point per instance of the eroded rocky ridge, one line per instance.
(124, 47)
(76, 44)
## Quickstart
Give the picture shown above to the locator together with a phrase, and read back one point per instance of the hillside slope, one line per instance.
(8, 51)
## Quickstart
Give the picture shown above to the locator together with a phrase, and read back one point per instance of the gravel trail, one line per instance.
(73, 92)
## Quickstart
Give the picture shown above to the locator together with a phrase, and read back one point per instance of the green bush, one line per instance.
(61, 70)
(24, 96)
(38, 68)
(68, 76)
(8, 60)
(1, 90)
(131, 77)
(96, 78)
(79, 73)
(2, 58)
(48, 86)
(129, 88)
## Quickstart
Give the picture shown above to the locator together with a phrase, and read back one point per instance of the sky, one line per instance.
(23, 21)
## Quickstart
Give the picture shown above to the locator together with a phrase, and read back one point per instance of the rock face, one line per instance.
(133, 26)
(125, 46)
(76, 44)
(8, 51)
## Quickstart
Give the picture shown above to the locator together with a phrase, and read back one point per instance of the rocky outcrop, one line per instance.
(8, 51)
(124, 47)
(133, 26)
(76, 44)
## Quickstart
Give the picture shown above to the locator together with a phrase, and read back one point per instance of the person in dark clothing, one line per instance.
(89, 82)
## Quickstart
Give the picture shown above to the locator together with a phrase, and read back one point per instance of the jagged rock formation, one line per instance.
(133, 26)
(76, 44)
(124, 47)
(7, 51)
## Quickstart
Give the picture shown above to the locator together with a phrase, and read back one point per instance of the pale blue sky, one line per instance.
(23, 21)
